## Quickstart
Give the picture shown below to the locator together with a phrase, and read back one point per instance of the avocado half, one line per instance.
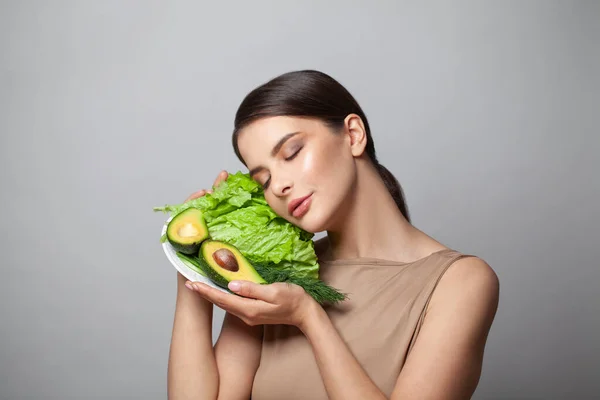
(224, 263)
(187, 230)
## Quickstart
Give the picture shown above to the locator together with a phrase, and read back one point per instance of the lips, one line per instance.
(296, 202)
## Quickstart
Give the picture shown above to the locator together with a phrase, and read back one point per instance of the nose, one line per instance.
(281, 186)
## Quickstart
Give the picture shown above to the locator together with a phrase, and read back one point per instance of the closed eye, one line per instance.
(293, 155)
(266, 184)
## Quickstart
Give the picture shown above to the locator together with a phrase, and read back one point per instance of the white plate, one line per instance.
(180, 266)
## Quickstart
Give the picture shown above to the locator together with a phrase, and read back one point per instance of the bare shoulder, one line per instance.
(451, 343)
(470, 272)
(469, 282)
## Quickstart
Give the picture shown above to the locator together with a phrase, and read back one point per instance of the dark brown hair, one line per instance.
(312, 94)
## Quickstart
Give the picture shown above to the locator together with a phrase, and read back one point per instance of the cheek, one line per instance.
(331, 173)
(310, 164)
(322, 164)
(333, 170)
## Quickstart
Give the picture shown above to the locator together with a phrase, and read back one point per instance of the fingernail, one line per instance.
(188, 285)
(234, 286)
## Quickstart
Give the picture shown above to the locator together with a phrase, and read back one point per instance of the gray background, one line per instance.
(486, 112)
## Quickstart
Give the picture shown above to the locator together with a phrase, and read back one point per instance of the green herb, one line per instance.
(316, 288)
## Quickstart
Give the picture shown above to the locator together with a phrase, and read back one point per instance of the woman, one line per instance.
(418, 314)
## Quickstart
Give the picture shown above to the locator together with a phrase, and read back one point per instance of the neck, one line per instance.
(371, 225)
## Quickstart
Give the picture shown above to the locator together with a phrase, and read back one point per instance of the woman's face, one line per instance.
(294, 157)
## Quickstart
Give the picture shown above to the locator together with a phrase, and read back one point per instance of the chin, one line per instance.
(306, 223)
(310, 228)
(313, 222)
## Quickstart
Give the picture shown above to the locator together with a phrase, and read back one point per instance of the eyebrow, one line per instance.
(275, 150)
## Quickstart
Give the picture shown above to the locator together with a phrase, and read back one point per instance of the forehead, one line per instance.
(256, 140)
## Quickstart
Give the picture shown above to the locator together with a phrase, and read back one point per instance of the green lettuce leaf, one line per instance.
(237, 213)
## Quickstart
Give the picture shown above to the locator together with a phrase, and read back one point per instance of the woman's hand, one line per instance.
(276, 303)
(220, 178)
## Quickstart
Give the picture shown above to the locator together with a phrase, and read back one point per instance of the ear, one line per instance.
(355, 128)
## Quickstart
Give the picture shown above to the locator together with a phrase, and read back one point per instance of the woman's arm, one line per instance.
(342, 375)
(192, 369)
(445, 362)
(238, 357)
(195, 370)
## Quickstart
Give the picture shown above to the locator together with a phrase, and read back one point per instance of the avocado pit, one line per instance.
(225, 259)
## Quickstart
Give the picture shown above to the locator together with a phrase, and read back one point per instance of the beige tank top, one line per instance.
(379, 322)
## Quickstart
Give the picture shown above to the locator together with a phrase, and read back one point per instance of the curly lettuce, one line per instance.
(237, 213)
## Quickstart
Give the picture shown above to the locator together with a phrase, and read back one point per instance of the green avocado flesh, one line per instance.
(224, 263)
(187, 230)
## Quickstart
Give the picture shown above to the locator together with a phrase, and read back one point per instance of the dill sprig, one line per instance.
(319, 290)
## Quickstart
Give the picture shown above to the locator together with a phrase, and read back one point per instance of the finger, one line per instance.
(253, 290)
(226, 301)
(220, 178)
(195, 195)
